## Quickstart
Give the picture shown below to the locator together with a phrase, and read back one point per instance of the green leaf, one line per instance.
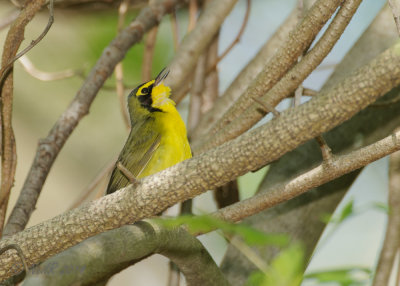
(381, 207)
(353, 276)
(205, 223)
(257, 278)
(285, 270)
(347, 211)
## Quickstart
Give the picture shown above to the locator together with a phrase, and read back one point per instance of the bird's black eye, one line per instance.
(145, 90)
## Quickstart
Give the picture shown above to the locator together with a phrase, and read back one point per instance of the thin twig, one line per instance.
(195, 93)
(175, 30)
(396, 14)
(309, 92)
(325, 149)
(148, 54)
(5, 69)
(250, 254)
(47, 76)
(266, 108)
(227, 194)
(119, 71)
(239, 35)
(298, 94)
(120, 88)
(193, 11)
(211, 90)
(195, 43)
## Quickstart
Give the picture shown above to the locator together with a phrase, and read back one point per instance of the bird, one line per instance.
(157, 139)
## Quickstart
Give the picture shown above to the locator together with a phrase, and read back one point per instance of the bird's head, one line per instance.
(152, 95)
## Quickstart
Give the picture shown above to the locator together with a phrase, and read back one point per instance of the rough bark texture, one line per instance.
(99, 257)
(49, 147)
(285, 57)
(210, 169)
(300, 217)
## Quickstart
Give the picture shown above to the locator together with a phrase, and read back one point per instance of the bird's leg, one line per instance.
(126, 173)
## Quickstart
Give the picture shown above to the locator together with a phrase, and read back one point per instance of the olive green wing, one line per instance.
(136, 154)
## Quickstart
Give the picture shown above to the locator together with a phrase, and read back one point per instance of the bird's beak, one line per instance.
(161, 76)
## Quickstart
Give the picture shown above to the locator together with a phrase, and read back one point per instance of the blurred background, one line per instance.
(75, 42)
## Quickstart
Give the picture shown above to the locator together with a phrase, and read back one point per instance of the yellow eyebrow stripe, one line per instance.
(147, 84)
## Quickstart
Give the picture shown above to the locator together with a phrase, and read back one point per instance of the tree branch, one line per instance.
(12, 43)
(241, 117)
(299, 218)
(325, 172)
(194, 44)
(113, 251)
(238, 36)
(245, 77)
(81, 254)
(211, 169)
(49, 147)
(391, 243)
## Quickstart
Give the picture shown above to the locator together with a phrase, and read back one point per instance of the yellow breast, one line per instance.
(174, 146)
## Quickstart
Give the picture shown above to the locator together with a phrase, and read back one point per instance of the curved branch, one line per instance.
(49, 147)
(211, 169)
(113, 251)
(47, 76)
(238, 36)
(12, 43)
(7, 66)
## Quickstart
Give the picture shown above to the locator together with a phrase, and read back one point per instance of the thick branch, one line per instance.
(50, 146)
(327, 171)
(211, 169)
(244, 78)
(293, 78)
(299, 40)
(99, 257)
(300, 217)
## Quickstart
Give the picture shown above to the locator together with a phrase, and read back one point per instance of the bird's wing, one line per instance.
(142, 142)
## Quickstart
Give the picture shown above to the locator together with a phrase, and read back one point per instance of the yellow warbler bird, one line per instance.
(158, 137)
